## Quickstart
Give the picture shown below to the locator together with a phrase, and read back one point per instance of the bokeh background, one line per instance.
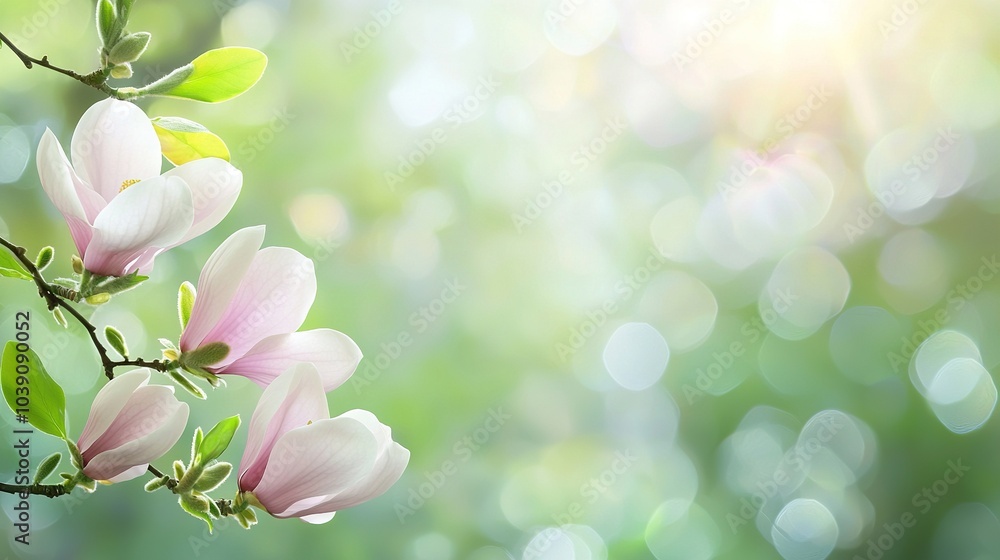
(633, 278)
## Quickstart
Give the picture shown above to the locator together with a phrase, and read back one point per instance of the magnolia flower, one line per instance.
(299, 462)
(121, 211)
(130, 424)
(253, 300)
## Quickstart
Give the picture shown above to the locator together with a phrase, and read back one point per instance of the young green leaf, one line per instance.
(46, 467)
(44, 257)
(185, 302)
(155, 484)
(117, 340)
(196, 506)
(199, 436)
(129, 48)
(11, 267)
(45, 409)
(186, 384)
(60, 318)
(217, 439)
(213, 477)
(179, 469)
(219, 75)
(106, 22)
(121, 283)
(182, 140)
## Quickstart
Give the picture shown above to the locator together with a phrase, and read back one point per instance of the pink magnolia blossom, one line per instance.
(253, 300)
(121, 211)
(131, 424)
(299, 462)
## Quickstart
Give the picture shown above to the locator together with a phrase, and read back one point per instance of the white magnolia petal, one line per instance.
(134, 472)
(274, 297)
(153, 213)
(293, 400)
(319, 518)
(320, 459)
(215, 186)
(333, 353)
(114, 462)
(109, 402)
(220, 278)
(74, 200)
(114, 142)
(388, 467)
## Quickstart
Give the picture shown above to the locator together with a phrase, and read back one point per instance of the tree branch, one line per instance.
(47, 490)
(54, 299)
(97, 79)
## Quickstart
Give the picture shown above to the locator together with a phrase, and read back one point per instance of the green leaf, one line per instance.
(11, 267)
(217, 439)
(182, 140)
(42, 400)
(46, 467)
(185, 303)
(220, 75)
(107, 22)
(196, 506)
(117, 340)
(124, 10)
(199, 436)
(44, 257)
(118, 284)
(129, 48)
(206, 355)
(60, 318)
(186, 384)
(213, 477)
(179, 469)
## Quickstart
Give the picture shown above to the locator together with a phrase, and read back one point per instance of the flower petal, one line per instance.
(115, 463)
(333, 353)
(114, 142)
(318, 518)
(70, 195)
(273, 298)
(219, 280)
(215, 185)
(134, 472)
(322, 458)
(153, 213)
(388, 467)
(145, 410)
(108, 403)
(292, 401)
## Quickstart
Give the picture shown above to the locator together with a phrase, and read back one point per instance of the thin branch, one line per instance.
(97, 79)
(52, 300)
(47, 490)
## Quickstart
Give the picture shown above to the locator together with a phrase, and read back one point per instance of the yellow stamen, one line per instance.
(127, 183)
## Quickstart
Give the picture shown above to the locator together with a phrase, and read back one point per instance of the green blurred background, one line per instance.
(676, 240)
